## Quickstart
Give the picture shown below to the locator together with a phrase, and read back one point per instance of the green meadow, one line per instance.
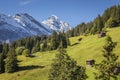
(90, 47)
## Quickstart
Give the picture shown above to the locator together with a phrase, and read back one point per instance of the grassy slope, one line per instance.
(89, 48)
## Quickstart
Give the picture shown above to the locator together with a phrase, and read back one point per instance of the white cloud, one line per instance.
(25, 2)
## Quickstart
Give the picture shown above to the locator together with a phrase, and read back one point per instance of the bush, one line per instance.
(26, 52)
(19, 50)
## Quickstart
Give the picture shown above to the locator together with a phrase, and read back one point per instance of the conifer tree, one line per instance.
(2, 63)
(11, 61)
(5, 50)
(108, 64)
(63, 39)
(44, 46)
(1, 47)
(37, 47)
(54, 41)
(68, 41)
(65, 68)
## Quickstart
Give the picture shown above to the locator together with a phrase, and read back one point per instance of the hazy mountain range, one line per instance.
(23, 25)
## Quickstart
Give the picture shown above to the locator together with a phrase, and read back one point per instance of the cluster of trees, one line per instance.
(27, 46)
(57, 39)
(109, 19)
(8, 61)
(106, 69)
(65, 68)
(42, 43)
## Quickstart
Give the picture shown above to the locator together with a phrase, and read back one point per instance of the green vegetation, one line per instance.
(109, 19)
(39, 52)
(11, 61)
(26, 52)
(106, 69)
(37, 67)
(65, 68)
(2, 64)
(19, 50)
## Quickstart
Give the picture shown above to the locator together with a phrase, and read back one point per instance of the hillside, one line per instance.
(37, 67)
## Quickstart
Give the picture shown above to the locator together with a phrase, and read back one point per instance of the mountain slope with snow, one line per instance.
(56, 24)
(23, 25)
(19, 26)
(32, 25)
(10, 29)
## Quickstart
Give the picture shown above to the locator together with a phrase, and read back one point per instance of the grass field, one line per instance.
(37, 67)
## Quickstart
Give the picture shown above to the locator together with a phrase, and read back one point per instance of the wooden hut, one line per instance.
(101, 34)
(90, 62)
(79, 39)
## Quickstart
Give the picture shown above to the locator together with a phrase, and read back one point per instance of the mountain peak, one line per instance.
(56, 24)
(53, 17)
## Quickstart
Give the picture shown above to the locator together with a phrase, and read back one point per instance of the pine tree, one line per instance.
(108, 64)
(44, 46)
(54, 41)
(37, 47)
(5, 50)
(68, 41)
(62, 38)
(11, 61)
(1, 47)
(65, 68)
(33, 50)
(2, 63)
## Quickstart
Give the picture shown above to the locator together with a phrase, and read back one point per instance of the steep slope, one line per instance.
(37, 68)
(19, 26)
(10, 29)
(56, 24)
(33, 26)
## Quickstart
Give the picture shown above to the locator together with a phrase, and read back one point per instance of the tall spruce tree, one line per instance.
(107, 66)
(37, 46)
(44, 46)
(68, 41)
(1, 47)
(65, 68)
(54, 41)
(11, 61)
(5, 50)
(2, 63)
(63, 39)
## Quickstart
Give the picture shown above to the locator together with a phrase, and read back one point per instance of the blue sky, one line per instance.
(72, 11)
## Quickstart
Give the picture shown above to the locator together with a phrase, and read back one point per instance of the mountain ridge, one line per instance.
(56, 24)
(22, 25)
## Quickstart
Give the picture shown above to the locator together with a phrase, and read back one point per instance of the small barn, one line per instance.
(101, 34)
(79, 39)
(90, 62)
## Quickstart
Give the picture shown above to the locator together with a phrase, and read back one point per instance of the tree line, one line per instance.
(110, 18)
(63, 67)
(27, 46)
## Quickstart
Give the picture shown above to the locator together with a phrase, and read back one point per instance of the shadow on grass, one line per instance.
(32, 56)
(75, 44)
(29, 67)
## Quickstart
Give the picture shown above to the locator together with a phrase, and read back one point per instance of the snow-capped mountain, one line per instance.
(19, 26)
(23, 25)
(30, 24)
(56, 24)
(10, 29)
